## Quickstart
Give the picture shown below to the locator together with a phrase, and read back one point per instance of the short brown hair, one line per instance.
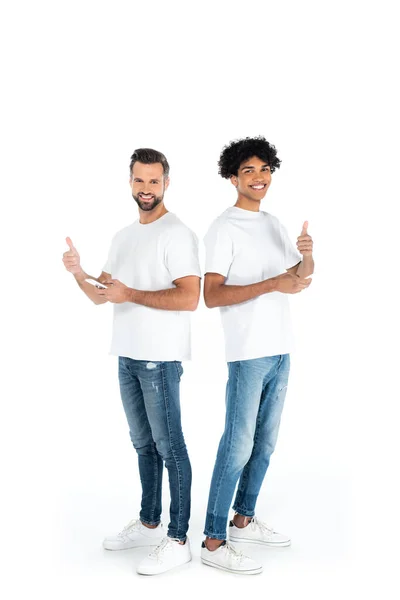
(148, 156)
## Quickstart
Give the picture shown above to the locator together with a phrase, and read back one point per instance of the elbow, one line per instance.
(193, 303)
(209, 301)
(98, 301)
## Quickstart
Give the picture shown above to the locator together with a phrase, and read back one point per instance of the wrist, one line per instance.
(80, 277)
(271, 285)
(130, 295)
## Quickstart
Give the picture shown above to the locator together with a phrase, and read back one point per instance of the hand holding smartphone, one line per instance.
(97, 284)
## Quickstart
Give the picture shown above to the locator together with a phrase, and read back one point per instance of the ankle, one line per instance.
(241, 521)
(149, 526)
(212, 544)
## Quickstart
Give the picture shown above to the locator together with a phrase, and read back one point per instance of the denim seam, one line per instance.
(238, 505)
(246, 470)
(229, 451)
(166, 404)
(216, 536)
(125, 365)
(122, 367)
(149, 522)
(265, 383)
(156, 474)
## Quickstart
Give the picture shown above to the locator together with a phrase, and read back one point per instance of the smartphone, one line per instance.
(96, 284)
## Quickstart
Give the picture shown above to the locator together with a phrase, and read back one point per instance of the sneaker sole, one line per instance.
(145, 572)
(260, 543)
(236, 571)
(128, 547)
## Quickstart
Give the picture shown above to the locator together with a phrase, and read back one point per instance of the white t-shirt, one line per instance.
(150, 257)
(247, 247)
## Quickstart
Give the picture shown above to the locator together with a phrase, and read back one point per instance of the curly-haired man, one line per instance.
(251, 266)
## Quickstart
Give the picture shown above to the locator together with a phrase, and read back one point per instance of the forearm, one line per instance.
(169, 299)
(226, 295)
(306, 267)
(87, 288)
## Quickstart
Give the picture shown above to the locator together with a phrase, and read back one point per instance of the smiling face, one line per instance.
(148, 185)
(252, 181)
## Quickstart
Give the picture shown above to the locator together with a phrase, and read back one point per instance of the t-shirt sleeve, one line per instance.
(219, 250)
(292, 255)
(182, 254)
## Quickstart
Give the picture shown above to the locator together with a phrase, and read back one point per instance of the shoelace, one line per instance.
(160, 549)
(254, 523)
(233, 553)
(131, 525)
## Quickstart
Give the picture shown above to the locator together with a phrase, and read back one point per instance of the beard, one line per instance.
(147, 206)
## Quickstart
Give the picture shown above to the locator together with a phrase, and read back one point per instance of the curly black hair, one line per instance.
(236, 152)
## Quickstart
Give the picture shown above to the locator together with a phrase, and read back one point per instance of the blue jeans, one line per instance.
(150, 396)
(255, 395)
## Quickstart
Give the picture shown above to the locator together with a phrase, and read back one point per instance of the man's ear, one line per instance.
(166, 183)
(234, 180)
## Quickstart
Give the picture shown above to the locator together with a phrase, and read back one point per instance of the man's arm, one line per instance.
(184, 296)
(217, 293)
(72, 263)
(89, 289)
(305, 246)
(304, 268)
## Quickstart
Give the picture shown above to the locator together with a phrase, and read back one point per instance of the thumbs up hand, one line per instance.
(71, 259)
(304, 241)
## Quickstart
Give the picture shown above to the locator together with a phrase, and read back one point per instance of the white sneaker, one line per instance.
(228, 558)
(134, 535)
(257, 532)
(168, 555)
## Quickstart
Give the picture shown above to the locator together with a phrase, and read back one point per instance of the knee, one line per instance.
(241, 454)
(236, 452)
(170, 451)
(144, 447)
(270, 444)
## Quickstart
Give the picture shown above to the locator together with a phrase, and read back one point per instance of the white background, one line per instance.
(86, 83)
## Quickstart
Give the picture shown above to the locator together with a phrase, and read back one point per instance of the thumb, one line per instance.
(305, 227)
(70, 244)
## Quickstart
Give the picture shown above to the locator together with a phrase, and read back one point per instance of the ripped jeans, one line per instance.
(255, 395)
(150, 396)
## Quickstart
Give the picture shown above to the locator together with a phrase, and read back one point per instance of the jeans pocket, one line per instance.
(179, 369)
